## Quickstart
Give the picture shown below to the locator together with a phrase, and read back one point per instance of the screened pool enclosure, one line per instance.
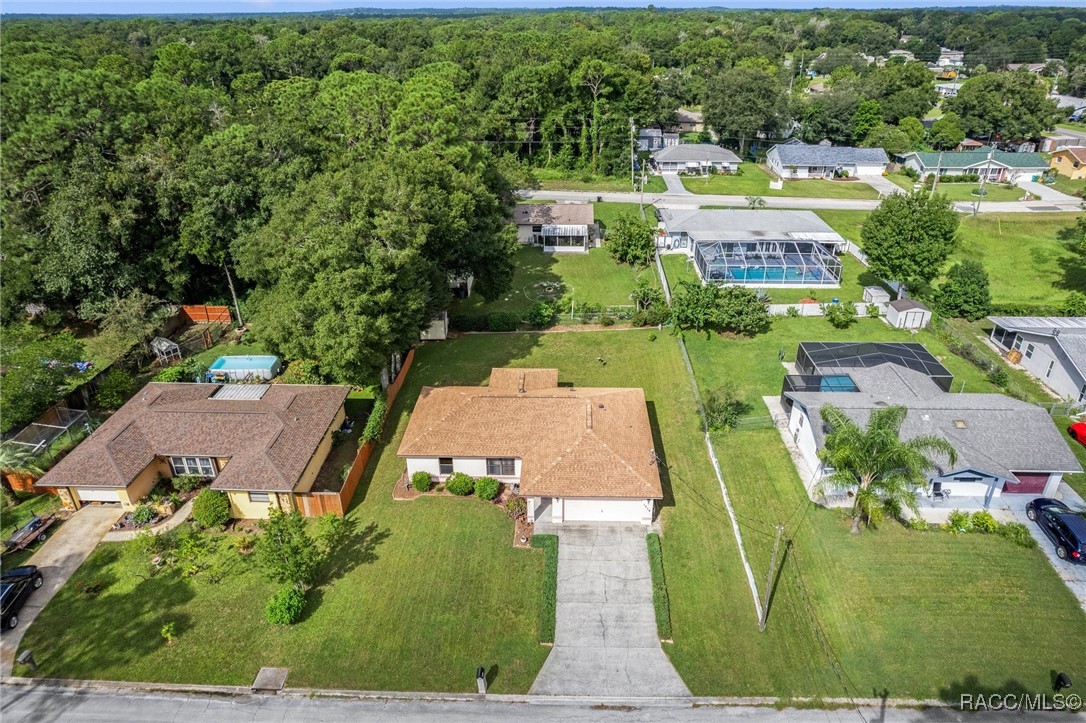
(765, 262)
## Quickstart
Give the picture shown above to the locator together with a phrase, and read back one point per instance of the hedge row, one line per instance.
(659, 587)
(372, 430)
(1025, 310)
(494, 321)
(549, 604)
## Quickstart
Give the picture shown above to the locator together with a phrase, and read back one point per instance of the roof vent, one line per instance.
(926, 417)
(960, 424)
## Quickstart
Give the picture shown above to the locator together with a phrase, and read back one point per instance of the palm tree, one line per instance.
(18, 462)
(883, 469)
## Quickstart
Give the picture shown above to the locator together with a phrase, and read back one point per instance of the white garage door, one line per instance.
(90, 494)
(594, 510)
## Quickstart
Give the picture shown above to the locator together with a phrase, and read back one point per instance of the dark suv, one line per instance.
(1066, 529)
(16, 585)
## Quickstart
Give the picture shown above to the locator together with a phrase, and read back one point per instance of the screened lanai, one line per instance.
(768, 262)
(563, 237)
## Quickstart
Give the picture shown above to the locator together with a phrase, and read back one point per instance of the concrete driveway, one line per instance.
(58, 558)
(606, 643)
(675, 184)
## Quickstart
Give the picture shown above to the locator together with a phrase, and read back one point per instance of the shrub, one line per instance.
(999, 377)
(285, 606)
(372, 430)
(660, 601)
(984, 522)
(652, 336)
(1074, 304)
(724, 408)
(1017, 533)
(516, 508)
(301, 371)
(486, 488)
(792, 312)
(959, 521)
(468, 322)
(547, 610)
(244, 543)
(502, 321)
(211, 508)
(965, 293)
(872, 311)
(186, 482)
(114, 389)
(607, 320)
(422, 481)
(541, 315)
(167, 633)
(143, 514)
(919, 524)
(460, 484)
(840, 315)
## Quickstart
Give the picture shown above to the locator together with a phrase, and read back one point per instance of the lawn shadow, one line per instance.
(127, 626)
(970, 688)
(1073, 265)
(533, 274)
(777, 580)
(492, 675)
(359, 548)
(661, 454)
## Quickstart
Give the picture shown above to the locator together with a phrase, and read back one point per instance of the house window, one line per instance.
(199, 466)
(1018, 343)
(1029, 351)
(538, 228)
(1082, 393)
(259, 497)
(1049, 372)
(444, 465)
(501, 466)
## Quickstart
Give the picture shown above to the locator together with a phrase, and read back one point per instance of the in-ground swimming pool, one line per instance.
(774, 274)
(245, 367)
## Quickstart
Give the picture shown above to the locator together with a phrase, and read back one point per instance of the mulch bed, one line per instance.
(522, 534)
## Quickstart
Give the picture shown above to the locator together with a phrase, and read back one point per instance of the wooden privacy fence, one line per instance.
(315, 504)
(204, 314)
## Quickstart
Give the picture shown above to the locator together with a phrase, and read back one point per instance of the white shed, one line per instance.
(438, 329)
(876, 295)
(908, 314)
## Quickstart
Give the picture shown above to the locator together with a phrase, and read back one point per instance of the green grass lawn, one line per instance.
(592, 278)
(208, 356)
(906, 183)
(1026, 258)
(552, 180)
(1066, 185)
(912, 614)
(753, 180)
(964, 191)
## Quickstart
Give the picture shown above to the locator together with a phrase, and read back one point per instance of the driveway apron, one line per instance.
(58, 558)
(606, 643)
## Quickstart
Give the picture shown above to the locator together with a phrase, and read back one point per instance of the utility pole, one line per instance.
(983, 178)
(633, 152)
(938, 170)
(643, 179)
(769, 579)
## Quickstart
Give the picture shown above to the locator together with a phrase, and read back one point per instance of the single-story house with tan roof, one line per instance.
(259, 443)
(577, 454)
(1070, 162)
(556, 226)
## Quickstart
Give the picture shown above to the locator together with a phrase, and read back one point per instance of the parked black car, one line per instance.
(16, 585)
(1065, 528)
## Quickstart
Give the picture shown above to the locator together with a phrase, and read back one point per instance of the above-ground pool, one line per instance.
(241, 368)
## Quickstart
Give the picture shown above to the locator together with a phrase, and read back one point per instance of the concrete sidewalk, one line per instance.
(606, 642)
(57, 558)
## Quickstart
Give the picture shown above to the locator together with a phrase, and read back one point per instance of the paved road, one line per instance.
(674, 200)
(606, 643)
(44, 703)
(58, 558)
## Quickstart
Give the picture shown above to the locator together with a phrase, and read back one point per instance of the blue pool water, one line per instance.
(774, 273)
(244, 363)
(837, 383)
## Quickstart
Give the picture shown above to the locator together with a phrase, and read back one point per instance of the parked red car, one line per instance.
(1078, 432)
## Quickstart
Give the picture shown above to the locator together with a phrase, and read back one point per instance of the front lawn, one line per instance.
(555, 180)
(891, 612)
(1026, 258)
(1072, 187)
(993, 192)
(753, 180)
(592, 278)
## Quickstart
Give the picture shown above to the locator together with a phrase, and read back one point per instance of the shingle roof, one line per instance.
(572, 442)
(907, 305)
(695, 153)
(572, 214)
(802, 154)
(1076, 152)
(966, 159)
(1001, 435)
(268, 441)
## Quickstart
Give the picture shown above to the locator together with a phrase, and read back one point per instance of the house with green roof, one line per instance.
(995, 166)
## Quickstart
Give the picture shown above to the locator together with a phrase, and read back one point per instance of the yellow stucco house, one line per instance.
(1070, 162)
(262, 444)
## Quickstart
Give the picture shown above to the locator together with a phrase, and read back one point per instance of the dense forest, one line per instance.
(338, 170)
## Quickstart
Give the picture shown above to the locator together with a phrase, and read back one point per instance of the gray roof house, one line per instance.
(1051, 348)
(1003, 445)
(653, 139)
(694, 158)
(803, 160)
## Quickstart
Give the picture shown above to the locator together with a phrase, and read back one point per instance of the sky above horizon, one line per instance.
(158, 7)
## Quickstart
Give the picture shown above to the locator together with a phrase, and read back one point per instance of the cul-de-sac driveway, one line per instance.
(59, 557)
(605, 643)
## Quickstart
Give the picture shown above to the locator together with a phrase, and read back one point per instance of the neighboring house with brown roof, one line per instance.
(1070, 162)
(576, 454)
(556, 226)
(261, 444)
